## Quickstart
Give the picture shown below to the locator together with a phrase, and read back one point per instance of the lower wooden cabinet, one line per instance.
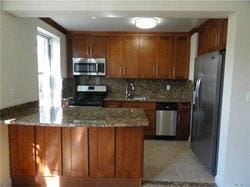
(129, 154)
(102, 152)
(22, 150)
(183, 116)
(148, 107)
(183, 121)
(75, 151)
(48, 151)
(76, 155)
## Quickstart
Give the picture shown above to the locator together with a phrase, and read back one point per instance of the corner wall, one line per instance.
(234, 146)
(18, 77)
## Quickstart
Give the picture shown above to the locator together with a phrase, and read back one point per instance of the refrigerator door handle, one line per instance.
(197, 92)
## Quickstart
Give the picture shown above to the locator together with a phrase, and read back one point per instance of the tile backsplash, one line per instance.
(143, 87)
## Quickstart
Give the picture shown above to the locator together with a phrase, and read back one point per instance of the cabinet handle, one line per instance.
(153, 71)
(124, 70)
(173, 72)
(179, 119)
(121, 70)
(157, 71)
(218, 43)
(216, 40)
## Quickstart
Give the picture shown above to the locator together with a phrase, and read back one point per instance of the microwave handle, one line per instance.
(97, 68)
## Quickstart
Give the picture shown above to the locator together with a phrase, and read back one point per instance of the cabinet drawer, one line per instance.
(112, 104)
(143, 105)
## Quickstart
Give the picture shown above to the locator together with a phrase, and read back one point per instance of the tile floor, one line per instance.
(173, 161)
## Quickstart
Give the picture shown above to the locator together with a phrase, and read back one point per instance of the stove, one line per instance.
(89, 95)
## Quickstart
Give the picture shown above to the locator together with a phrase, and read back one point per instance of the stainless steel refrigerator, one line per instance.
(208, 80)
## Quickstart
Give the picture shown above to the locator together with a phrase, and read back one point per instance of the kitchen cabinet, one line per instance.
(129, 154)
(165, 57)
(183, 121)
(217, 34)
(212, 36)
(147, 57)
(148, 107)
(183, 116)
(181, 57)
(48, 151)
(128, 55)
(203, 40)
(22, 150)
(131, 56)
(75, 151)
(92, 156)
(102, 152)
(114, 56)
(84, 46)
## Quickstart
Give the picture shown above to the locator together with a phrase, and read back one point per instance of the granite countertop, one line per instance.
(80, 117)
(151, 98)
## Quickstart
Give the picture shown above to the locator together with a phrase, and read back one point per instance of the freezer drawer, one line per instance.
(166, 122)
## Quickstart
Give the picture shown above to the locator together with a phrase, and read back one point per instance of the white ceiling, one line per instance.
(87, 23)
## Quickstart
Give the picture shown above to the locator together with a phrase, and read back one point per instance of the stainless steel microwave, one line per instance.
(89, 66)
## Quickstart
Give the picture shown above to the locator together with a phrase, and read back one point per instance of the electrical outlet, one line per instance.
(168, 87)
(239, 185)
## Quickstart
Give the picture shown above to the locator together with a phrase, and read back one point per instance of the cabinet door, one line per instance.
(223, 35)
(112, 104)
(147, 57)
(22, 150)
(150, 111)
(102, 152)
(131, 56)
(183, 122)
(181, 58)
(165, 57)
(98, 46)
(75, 151)
(129, 154)
(80, 46)
(48, 151)
(215, 32)
(114, 56)
(151, 115)
(203, 41)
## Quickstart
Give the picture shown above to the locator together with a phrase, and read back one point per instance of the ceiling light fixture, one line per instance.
(146, 23)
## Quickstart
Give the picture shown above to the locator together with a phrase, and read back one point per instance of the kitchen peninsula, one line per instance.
(77, 146)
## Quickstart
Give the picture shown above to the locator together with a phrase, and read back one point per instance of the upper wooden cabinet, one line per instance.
(131, 57)
(147, 57)
(165, 57)
(203, 40)
(181, 57)
(114, 56)
(153, 56)
(212, 36)
(88, 46)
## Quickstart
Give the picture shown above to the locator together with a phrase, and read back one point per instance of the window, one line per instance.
(49, 69)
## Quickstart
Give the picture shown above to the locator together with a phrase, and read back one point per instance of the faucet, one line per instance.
(129, 89)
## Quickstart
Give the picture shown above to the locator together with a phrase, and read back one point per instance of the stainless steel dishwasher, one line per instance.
(166, 119)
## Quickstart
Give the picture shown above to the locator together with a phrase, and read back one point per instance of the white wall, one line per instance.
(19, 59)
(19, 72)
(234, 154)
(193, 54)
